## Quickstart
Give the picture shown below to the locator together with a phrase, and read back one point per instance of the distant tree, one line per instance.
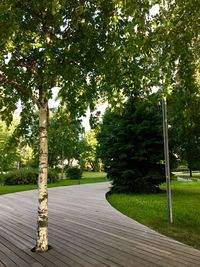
(176, 54)
(25, 154)
(64, 137)
(9, 154)
(88, 155)
(131, 146)
(184, 131)
(184, 99)
(184, 110)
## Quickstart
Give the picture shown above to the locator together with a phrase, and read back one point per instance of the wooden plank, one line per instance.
(1, 264)
(84, 230)
(154, 243)
(110, 263)
(76, 244)
(6, 260)
(14, 257)
(138, 253)
(24, 239)
(21, 246)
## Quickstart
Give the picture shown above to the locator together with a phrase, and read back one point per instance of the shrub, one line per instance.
(181, 168)
(74, 173)
(52, 175)
(26, 176)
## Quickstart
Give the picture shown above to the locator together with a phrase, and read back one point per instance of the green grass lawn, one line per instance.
(88, 177)
(151, 210)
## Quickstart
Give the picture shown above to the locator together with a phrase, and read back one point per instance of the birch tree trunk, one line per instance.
(42, 222)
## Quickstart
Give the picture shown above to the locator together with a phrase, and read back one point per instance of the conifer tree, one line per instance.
(131, 146)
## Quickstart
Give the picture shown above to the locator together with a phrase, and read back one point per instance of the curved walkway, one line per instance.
(84, 230)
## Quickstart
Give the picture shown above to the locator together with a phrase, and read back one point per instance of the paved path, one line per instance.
(84, 230)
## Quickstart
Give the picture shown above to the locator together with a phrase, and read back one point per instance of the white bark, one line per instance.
(42, 224)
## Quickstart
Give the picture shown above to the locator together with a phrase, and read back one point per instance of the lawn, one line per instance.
(151, 210)
(88, 177)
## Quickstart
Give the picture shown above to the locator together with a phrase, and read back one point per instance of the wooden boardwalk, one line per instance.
(84, 230)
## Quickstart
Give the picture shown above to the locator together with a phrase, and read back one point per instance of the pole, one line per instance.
(167, 166)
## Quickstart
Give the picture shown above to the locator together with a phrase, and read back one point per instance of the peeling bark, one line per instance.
(42, 223)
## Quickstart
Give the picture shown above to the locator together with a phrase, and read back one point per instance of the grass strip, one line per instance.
(151, 210)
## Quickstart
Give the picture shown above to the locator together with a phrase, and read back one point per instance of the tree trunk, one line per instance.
(42, 223)
(62, 171)
(190, 172)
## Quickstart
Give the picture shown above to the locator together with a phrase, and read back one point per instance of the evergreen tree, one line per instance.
(131, 146)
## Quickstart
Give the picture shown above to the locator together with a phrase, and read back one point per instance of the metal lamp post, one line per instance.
(166, 152)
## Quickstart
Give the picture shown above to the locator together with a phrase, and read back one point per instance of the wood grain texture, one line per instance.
(84, 230)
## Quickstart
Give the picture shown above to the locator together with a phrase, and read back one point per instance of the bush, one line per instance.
(181, 168)
(74, 173)
(52, 175)
(26, 176)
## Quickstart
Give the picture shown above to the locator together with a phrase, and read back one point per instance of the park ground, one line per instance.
(150, 209)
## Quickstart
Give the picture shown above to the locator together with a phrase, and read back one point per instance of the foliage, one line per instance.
(89, 159)
(151, 210)
(9, 155)
(22, 176)
(26, 176)
(74, 173)
(181, 167)
(131, 146)
(52, 176)
(184, 104)
(103, 47)
(64, 137)
(176, 37)
(184, 107)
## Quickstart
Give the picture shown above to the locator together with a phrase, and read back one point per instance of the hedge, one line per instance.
(74, 173)
(27, 176)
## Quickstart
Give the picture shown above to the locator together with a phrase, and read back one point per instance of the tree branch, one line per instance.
(19, 89)
(22, 63)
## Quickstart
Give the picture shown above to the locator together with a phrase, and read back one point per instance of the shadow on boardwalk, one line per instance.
(84, 230)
